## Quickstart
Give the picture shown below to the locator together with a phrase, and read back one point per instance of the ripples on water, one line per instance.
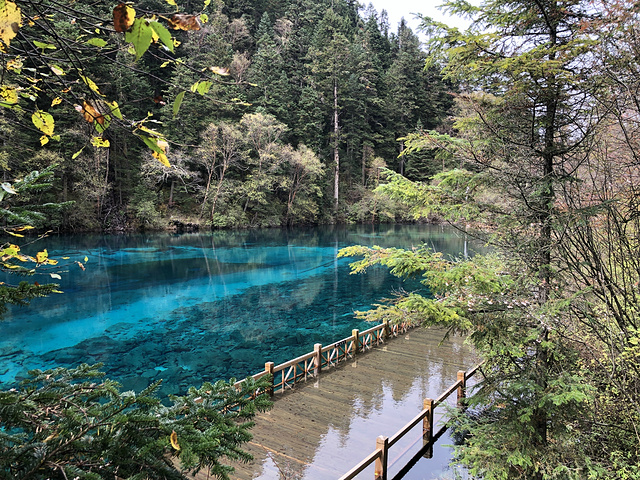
(194, 307)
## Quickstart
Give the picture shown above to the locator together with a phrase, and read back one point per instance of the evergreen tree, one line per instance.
(269, 73)
(330, 66)
(528, 135)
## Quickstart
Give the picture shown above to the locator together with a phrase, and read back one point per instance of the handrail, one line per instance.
(426, 416)
(372, 457)
(341, 351)
(289, 363)
(443, 396)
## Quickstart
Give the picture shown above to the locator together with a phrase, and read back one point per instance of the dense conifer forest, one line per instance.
(274, 113)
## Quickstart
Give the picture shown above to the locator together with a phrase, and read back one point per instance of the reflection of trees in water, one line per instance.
(352, 406)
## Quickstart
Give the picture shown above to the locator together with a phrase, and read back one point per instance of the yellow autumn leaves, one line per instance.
(174, 440)
(140, 32)
(10, 23)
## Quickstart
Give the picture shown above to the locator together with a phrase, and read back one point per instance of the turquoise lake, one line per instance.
(189, 308)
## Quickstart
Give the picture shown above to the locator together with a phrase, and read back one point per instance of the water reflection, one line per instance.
(322, 431)
(194, 307)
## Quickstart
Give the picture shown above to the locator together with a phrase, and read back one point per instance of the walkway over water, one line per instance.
(327, 425)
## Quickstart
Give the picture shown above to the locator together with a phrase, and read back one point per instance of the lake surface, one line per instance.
(193, 307)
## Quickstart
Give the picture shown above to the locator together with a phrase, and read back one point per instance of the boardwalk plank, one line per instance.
(325, 426)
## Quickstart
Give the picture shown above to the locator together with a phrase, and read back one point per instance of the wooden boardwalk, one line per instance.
(327, 425)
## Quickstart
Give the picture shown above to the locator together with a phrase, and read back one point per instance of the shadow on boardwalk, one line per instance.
(326, 426)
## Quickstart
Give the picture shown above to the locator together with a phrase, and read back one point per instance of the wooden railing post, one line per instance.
(382, 444)
(268, 367)
(317, 353)
(356, 339)
(386, 334)
(462, 388)
(427, 427)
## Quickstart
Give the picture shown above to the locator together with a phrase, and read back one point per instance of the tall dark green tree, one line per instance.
(331, 64)
(528, 134)
(416, 96)
(268, 71)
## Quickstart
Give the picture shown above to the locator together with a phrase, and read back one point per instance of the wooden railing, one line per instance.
(286, 375)
(380, 455)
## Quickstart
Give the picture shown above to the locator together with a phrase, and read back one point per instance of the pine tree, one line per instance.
(526, 138)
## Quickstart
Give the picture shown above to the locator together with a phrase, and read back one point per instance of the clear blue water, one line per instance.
(194, 307)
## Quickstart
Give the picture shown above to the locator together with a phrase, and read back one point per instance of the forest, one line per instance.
(272, 113)
(522, 131)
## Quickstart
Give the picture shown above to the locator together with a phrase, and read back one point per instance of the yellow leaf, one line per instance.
(91, 84)
(100, 142)
(8, 95)
(86, 259)
(174, 440)
(43, 122)
(44, 140)
(41, 257)
(172, 2)
(123, 17)
(56, 101)
(15, 65)
(162, 158)
(10, 22)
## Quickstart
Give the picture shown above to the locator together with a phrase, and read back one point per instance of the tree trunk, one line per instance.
(336, 156)
(173, 183)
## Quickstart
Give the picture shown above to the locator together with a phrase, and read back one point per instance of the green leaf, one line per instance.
(177, 102)
(115, 109)
(77, 154)
(163, 34)
(140, 35)
(44, 46)
(204, 87)
(97, 42)
(158, 145)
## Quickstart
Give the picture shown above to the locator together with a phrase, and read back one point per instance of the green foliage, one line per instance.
(20, 215)
(72, 423)
(554, 314)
